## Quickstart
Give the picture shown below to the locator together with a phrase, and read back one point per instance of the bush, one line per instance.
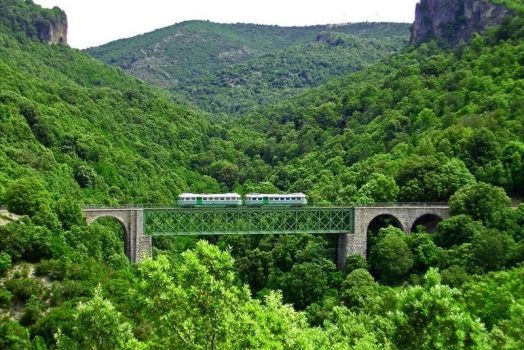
(33, 311)
(391, 259)
(457, 230)
(492, 250)
(480, 201)
(455, 276)
(354, 262)
(5, 297)
(23, 288)
(13, 336)
(26, 195)
(358, 287)
(5, 263)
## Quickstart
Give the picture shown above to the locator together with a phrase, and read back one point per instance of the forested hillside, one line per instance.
(89, 130)
(428, 124)
(430, 120)
(234, 68)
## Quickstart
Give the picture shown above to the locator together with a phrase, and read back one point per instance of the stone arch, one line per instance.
(429, 220)
(385, 216)
(405, 214)
(94, 218)
(123, 224)
(137, 244)
(377, 222)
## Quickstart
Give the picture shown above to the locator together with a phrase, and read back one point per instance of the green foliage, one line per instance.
(13, 336)
(98, 326)
(306, 282)
(455, 276)
(23, 288)
(234, 68)
(423, 125)
(358, 288)
(379, 188)
(491, 296)
(480, 201)
(33, 311)
(508, 334)
(25, 196)
(457, 230)
(429, 318)
(193, 303)
(5, 297)
(354, 262)
(391, 259)
(425, 253)
(72, 127)
(29, 18)
(69, 213)
(491, 250)
(30, 242)
(5, 262)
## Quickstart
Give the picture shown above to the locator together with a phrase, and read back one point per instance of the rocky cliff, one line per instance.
(454, 21)
(24, 16)
(53, 30)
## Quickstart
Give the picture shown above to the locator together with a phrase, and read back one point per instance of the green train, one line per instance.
(235, 200)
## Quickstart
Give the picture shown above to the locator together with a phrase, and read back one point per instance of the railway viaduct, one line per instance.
(138, 246)
(351, 224)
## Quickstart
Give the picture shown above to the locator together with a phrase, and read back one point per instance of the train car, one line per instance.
(262, 199)
(211, 200)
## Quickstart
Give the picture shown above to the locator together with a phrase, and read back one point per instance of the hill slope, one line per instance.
(403, 119)
(423, 124)
(81, 125)
(234, 67)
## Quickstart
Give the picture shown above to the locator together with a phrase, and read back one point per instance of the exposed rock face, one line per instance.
(454, 21)
(53, 31)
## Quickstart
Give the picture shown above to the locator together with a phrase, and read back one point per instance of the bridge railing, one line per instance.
(403, 204)
(245, 220)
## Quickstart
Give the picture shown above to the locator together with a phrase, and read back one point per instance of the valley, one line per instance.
(354, 116)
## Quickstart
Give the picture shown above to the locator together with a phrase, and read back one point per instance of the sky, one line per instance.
(96, 22)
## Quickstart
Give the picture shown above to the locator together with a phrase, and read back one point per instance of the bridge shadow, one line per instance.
(117, 229)
(427, 223)
(381, 221)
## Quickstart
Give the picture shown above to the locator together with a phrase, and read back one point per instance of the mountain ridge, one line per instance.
(204, 61)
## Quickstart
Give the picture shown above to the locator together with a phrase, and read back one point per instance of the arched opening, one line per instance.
(374, 226)
(426, 223)
(111, 232)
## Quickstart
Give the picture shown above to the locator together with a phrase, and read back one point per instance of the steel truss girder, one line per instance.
(244, 220)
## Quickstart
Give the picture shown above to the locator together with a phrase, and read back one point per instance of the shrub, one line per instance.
(5, 262)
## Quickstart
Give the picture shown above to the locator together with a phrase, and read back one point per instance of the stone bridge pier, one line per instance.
(137, 245)
(405, 216)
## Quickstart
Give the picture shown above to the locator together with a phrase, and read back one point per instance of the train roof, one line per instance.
(184, 195)
(276, 195)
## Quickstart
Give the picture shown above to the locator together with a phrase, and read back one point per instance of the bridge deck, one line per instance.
(245, 220)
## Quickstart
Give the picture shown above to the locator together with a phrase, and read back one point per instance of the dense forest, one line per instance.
(431, 123)
(235, 68)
